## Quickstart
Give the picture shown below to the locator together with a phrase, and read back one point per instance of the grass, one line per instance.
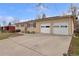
(6, 35)
(74, 46)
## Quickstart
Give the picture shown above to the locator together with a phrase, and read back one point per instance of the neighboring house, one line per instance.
(59, 25)
(8, 28)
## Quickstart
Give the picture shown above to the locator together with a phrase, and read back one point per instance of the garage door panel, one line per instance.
(45, 28)
(60, 28)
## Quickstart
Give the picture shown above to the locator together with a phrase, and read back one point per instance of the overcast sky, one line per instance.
(25, 11)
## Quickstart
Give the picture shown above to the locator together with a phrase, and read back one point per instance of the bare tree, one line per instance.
(9, 24)
(13, 22)
(0, 27)
(44, 16)
(40, 8)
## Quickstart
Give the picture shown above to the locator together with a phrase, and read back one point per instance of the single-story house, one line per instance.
(59, 25)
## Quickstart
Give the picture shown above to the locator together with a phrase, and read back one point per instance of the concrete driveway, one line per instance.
(35, 45)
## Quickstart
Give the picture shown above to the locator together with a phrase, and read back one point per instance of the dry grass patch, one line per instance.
(6, 35)
(74, 47)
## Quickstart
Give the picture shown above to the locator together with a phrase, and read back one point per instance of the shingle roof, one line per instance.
(49, 18)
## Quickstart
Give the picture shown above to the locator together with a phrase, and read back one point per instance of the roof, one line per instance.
(25, 22)
(48, 18)
(8, 26)
(56, 17)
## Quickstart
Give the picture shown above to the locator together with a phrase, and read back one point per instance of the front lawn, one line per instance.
(6, 35)
(74, 46)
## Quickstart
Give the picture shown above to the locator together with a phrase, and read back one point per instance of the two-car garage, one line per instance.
(59, 25)
(55, 28)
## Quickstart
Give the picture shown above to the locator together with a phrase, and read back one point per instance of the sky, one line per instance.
(28, 11)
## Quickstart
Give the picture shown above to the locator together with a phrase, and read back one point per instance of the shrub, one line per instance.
(3, 31)
(64, 54)
(27, 32)
(30, 32)
(76, 32)
(12, 31)
(33, 32)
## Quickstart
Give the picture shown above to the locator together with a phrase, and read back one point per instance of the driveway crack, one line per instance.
(28, 47)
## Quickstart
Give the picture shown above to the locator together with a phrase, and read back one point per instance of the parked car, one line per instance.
(17, 30)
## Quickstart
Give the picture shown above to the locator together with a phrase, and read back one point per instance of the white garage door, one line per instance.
(60, 28)
(45, 28)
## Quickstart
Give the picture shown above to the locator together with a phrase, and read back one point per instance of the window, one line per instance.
(31, 24)
(42, 26)
(55, 26)
(47, 26)
(64, 26)
(17, 25)
(28, 25)
(22, 25)
(34, 24)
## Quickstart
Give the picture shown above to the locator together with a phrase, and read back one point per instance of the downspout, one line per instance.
(74, 23)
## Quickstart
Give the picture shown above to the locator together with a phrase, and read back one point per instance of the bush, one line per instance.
(64, 54)
(12, 31)
(3, 31)
(27, 31)
(30, 32)
(76, 32)
(33, 32)
(17, 30)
